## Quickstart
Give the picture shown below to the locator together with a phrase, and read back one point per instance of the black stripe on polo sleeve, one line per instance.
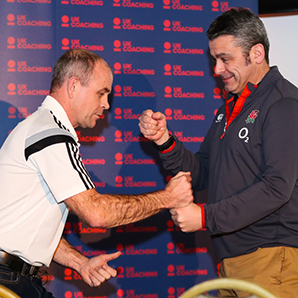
(45, 142)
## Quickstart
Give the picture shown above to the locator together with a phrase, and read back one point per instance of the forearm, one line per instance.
(245, 208)
(115, 210)
(67, 256)
(111, 210)
(182, 159)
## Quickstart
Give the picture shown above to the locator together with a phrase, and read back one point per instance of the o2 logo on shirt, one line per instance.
(243, 134)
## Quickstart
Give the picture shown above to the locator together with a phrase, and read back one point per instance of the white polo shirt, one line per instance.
(40, 167)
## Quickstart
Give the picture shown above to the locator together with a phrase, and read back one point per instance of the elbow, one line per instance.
(92, 209)
(95, 220)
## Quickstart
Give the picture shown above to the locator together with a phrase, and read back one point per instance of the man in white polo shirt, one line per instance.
(42, 177)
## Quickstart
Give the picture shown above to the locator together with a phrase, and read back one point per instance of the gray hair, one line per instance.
(244, 25)
(75, 62)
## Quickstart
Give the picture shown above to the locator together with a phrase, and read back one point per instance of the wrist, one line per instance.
(165, 198)
(167, 145)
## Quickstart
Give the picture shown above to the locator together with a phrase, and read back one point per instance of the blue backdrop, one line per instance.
(159, 54)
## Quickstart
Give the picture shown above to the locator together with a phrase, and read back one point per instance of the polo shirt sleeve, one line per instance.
(55, 156)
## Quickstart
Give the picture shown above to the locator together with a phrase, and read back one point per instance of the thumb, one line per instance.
(112, 256)
(157, 116)
(148, 113)
(182, 174)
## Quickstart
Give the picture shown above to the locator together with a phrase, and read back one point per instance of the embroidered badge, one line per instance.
(219, 118)
(252, 116)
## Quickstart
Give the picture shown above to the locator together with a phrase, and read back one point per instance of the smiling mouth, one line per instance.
(226, 79)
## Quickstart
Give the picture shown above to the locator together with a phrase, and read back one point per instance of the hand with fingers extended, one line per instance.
(154, 126)
(96, 271)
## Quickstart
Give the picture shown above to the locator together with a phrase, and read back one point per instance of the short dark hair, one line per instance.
(244, 25)
(75, 62)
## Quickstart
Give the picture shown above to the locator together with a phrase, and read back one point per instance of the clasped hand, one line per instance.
(188, 219)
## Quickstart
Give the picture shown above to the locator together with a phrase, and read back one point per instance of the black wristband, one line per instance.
(166, 145)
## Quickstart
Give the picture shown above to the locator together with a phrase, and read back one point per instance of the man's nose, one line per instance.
(106, 104)
(219, 68)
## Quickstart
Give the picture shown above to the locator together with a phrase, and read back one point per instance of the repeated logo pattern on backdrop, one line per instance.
(158, 51)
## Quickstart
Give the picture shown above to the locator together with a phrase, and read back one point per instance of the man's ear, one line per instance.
(72, 86)
(257, 53)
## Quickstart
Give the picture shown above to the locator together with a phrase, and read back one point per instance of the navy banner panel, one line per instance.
(158, 51)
